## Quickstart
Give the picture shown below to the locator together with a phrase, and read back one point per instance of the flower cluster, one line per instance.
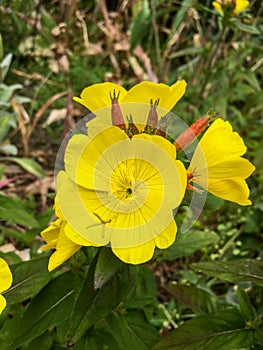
(122, 183)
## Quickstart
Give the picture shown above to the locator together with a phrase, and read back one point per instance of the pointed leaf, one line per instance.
(50, 307)
(108, 264)
(246, 308)
(195, 298)
(220, 330)
(29, 165)
(241, 270)
(132, 331)
(29, 277)
(12, 209)
(94, 304)
(187, 243)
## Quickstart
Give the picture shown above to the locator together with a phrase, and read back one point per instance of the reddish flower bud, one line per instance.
(190, 134)
(116, 114)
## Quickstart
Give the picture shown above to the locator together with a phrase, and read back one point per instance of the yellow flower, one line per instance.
(5, 282)
(234, 6)
(98, 96)
(217, 165)
(108, 99)
(121, 191)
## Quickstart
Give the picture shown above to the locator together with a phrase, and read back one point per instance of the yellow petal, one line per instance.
(135, 255)
(167, 237)
(76, 238)
(234, 190)
(146, 91)
(50, 235)
(217, 163)
(76, 204)
(241, 5)
(5, 276)
(65, 248)
(2, 303)
(217, 6)
(83, 153)
(97, 96)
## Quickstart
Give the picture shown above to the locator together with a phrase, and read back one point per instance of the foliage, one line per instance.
(205, 292)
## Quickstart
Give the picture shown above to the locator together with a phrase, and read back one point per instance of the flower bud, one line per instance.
(116, 114)
(190, 134)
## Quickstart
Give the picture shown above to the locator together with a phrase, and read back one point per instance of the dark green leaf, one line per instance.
(195, 298)
(241, 270)
(221, 330)
(94, 304)
(108, 264)
(29, 278)
(132, 331)
(50, 307)
(43, 342)
(246, 309)
(187, 243)
(141, 25)
(12, 209)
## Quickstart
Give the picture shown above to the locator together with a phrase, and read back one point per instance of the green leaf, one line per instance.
(181, 13)
(108, 264)
(194, 298)
(246, 308)
(132, 331)
(241, 270)
(43, 342)
(216, 331)
(4, 127)
(12, 209)
(141, 25)
(187, 243)
(5, 64)
(29, 278)
(29, 165)
(50, 307)
(94, 304)
(246, 28)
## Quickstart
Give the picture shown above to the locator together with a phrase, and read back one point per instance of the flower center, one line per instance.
(122, 180)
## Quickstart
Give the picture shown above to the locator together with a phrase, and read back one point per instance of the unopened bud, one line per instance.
(116, 114)
(190, 134)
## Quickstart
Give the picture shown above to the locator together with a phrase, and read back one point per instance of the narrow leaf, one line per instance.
(108, 264)
(29, 165)
(187, 243)
(12, 209)
(94, 304)
(29, 278)
(221, 330)
(51, 306)
(195, 298)
(241, 270)
(246, 308)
